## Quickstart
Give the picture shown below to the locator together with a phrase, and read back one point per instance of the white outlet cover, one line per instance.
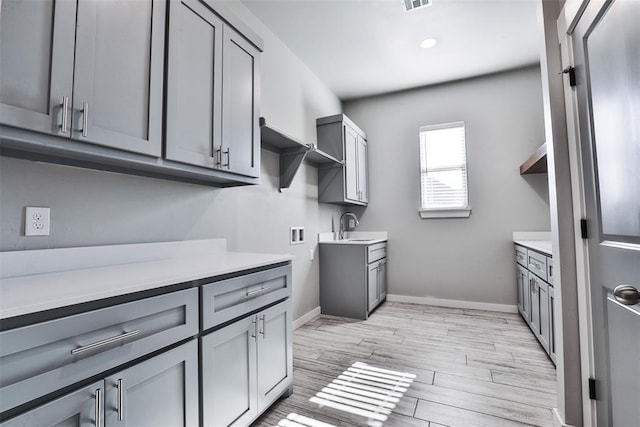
(37, 221)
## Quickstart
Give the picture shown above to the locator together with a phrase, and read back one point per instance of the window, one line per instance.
(443, 171)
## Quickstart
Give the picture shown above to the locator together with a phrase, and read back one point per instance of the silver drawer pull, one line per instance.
(104, 342)
(85, 119)
(65, 114)
(120, 399)
(258, 291)
(264, 326)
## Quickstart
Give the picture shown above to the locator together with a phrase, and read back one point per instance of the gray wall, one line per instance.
(97, 208)
(461, 259)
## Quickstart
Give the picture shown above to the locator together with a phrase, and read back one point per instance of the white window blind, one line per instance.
(443, 170)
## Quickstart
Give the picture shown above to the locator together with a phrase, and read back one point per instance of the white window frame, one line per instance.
(444, 212)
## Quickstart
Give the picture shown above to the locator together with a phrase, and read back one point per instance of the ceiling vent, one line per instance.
(415, 4)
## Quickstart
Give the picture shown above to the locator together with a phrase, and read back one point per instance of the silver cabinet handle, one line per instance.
(228, 153)
(98, 406)
(65, 114)
(626, 294)
(85, 119)
(258, 291)
(254, 326)
(104, 342)
(551, 271)
(120, 399)
(218, 157)
(264, 326)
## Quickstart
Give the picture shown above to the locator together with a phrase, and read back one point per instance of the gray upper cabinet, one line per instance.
(109, 94)
(240, 115)
(212, 92)
(118, 79)
(339, 137)
(77, 409)
(194, 85)
(36, 64)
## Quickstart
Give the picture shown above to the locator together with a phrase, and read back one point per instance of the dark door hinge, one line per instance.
(584, 231)
(572, 75)
(592, 389)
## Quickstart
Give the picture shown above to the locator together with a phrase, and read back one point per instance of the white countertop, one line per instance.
(543, 246)
(25, 294)
(354, 238)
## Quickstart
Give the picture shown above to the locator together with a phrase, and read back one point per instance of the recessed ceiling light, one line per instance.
(428, 43)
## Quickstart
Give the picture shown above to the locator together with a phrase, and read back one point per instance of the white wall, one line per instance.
(96, 208)
(459, 259)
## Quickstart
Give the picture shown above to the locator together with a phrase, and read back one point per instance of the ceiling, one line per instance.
(367, 47)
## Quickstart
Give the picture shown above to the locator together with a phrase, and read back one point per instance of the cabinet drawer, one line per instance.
(537, 263)
(232, 298)
(550, 270)
(44, 357)
(521, 255)
(376, 252)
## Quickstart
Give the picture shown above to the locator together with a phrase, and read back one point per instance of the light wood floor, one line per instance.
(474, 368)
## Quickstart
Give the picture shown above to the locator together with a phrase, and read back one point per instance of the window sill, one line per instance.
(445, 213)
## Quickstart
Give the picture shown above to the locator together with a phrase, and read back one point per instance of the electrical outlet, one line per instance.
(37, 221)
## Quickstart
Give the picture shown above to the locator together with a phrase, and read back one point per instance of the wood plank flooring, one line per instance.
(474, 368)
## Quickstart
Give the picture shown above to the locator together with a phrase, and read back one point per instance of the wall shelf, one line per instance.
(292, 153)
(536, 163)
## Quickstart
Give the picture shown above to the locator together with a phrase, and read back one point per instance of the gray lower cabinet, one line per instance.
(536, 295)
(339, 137)
(212, 92)
(82, 408)
(246, 366)
(353, 278)
(66, 72)
(161, 391)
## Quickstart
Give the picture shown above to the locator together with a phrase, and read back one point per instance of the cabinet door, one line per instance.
(552, 324)
(228, 374)
(241, 98)
(543, 302)
(118, 78)
(535, 304)
(372, 286)
(363, 188)
(194, 84)
(36, 63)
(77, 409)
(162, 391)
(275, 359)
(350, 164)
(382, 279)
(526, 293)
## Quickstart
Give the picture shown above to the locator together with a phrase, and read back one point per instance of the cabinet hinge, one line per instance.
(592, 388)
(584, 231)
(572, 75)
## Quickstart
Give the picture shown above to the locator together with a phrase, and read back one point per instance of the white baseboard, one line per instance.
(557, 419)
(505, 308)
(306, 318)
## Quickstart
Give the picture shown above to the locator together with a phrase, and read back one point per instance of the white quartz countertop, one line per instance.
(354, 238)
(26, 294)
(543, 246)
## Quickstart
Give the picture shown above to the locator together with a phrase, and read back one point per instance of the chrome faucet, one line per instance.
(352, 215)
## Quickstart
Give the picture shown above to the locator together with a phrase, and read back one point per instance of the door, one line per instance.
(77, 409)
(363, 188)
(194, 85)
(543, 303)
(350, 164)
(275, 360)
(372, 286)
(229, 381)
(36, 64)
(118, 78)
(606, 45)
(240, 94)
(535, 304)
(162, 391)
(382, 278)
